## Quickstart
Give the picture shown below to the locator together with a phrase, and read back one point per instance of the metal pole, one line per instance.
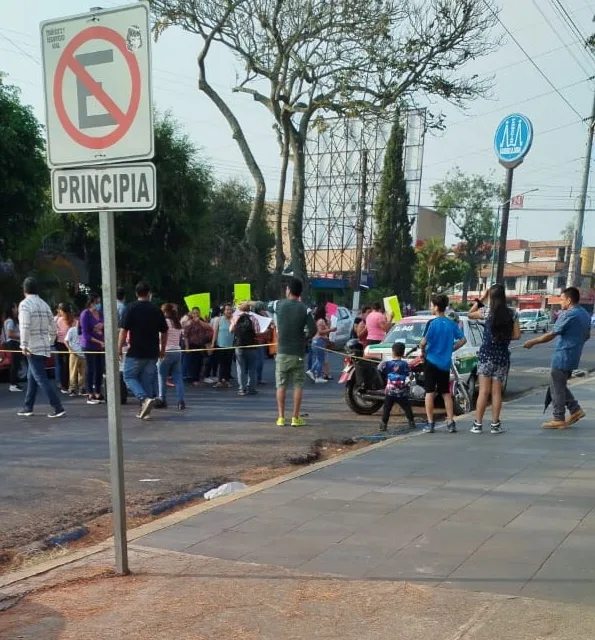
(574, 268)
(114, 418)
(494, 243)
(360, 226)
(504, 226)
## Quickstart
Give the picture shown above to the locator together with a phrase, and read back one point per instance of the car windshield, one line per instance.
(410, 333)
(528, 315)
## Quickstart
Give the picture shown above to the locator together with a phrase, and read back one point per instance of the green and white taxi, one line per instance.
(411, 330)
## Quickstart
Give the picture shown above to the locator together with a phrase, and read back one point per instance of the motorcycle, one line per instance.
(364, 386)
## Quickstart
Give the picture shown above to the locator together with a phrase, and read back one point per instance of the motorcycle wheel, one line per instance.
(461, 399)
(360, 405)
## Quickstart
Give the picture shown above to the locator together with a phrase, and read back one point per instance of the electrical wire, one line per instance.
(571, 24)
(537, 67)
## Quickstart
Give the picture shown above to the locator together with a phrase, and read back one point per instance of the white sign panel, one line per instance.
(121, 187)
(97, 79)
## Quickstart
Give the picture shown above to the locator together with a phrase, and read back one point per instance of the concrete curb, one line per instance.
(189, 512)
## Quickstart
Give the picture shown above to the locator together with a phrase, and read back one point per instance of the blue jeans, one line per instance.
(94, 376)
(171, 366)
(261, 354)
(139, 376)
(318, 356)
(37, 377)
(246, 365)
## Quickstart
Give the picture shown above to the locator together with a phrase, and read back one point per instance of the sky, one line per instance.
(557, 97)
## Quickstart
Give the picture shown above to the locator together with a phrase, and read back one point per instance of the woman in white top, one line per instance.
(171, 365)
(12, 336)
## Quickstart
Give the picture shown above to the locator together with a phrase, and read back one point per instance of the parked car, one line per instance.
(535, 320)
(411, 330)
(6, 361)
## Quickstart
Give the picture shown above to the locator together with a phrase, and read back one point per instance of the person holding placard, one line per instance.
(376, 324)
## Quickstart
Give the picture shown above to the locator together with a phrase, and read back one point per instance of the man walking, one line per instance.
(144, 323)
(245, 329)
(294, 326)
(38, 333)
(573, 329)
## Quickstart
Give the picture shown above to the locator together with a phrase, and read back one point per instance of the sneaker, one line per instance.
(476, 428)
(298, 422)
(92, 401)
(210, 380)
(328, 377)
(575, 417)
(281, 422)
(430, 427)
(25, 413)
(252, 392)
(181, 406)
(382, 426)
(57, 413)
(73, 394)
(146, 407)
(496, 428)
(411, 424)
(159, 404)
(65, 391)
(311, 375)
(320, 381)
(101, 400)
(16, 388)
(451, 427)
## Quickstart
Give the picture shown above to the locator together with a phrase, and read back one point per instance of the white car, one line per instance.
(534, 320)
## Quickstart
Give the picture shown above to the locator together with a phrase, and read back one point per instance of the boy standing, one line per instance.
(77, 364)
(395, 372)
(443, 336)
(572, 330)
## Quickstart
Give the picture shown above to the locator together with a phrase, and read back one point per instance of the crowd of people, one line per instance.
(159, 349)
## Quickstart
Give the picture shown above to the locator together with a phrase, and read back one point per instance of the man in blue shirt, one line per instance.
(443, 336)
(572, 329)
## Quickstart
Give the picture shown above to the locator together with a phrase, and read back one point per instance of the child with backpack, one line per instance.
(396, 372)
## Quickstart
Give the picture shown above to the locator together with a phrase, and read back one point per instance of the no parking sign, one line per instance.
(97, 77)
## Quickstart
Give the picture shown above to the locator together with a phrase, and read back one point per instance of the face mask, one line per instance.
(98, 306)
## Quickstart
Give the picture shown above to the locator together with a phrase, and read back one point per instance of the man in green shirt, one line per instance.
(294, 325)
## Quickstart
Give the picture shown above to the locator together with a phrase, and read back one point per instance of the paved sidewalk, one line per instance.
(440, 537)
(508, 514)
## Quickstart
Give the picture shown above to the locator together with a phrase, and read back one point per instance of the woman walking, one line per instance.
(64, 321)
(171, 365)
(319, 344)
(223, 340)
(92, 341)
(12, 337)
(493, 362)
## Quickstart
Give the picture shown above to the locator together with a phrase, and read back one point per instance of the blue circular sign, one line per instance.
(513, 139)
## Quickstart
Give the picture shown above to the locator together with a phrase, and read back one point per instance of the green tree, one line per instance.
(569, 230)
(24, 176)
(435, 270)
(393, 250)
(468, 202)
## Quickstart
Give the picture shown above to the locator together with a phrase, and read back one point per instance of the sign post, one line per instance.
(512, 142)
(99, 118)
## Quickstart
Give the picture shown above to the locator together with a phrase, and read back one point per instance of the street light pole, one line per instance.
(494, 238)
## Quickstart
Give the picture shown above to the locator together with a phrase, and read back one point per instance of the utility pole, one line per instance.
(504, 226)
(574, 267)
(360, 228)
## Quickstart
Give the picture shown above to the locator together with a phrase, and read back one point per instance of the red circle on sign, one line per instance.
(123, 120)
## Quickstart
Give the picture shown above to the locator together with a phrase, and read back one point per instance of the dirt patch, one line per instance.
(100, 528)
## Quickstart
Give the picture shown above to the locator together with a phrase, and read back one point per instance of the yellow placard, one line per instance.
(200, 300)
(391, 305)
(242, 292)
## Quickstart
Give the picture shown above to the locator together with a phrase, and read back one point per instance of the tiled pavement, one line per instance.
(510, 514)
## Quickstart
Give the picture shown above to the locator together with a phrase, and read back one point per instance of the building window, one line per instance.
(561, 282)
(510, 284)
(536, 283)
(561, 254)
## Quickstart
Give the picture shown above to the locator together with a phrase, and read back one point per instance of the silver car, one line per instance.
(535, 320)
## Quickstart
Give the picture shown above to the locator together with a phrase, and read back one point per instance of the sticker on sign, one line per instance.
(122, 187)
(97, 80)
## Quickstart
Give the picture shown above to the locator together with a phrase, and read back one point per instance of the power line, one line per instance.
(537, 67)
(19, 48)
(571, 24)
(553, 28)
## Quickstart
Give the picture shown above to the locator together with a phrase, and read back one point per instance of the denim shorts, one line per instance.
(493, 370)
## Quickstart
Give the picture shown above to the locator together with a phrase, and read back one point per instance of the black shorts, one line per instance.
(436, 380)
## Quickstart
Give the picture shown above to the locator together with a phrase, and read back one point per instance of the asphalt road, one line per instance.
(54, 474)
